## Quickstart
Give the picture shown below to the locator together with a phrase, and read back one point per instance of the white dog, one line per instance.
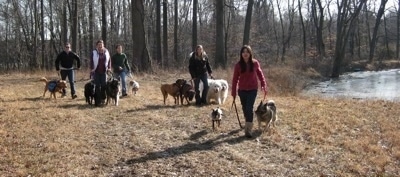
(218, 90)
(135, 86)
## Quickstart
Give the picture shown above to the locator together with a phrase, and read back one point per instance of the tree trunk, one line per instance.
(176, 31)
(140, 56)
(398, 32)
(158, 33)
(194, 27)
(344, 24)
(64, 29)
(74, 32)
(44, 58)
(104, 22)
(304, 37)
(372, 45)
(319, 25)
(165, 34)
(220, 49)
(247, 23)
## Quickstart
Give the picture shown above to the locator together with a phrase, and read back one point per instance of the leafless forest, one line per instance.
(159, 34)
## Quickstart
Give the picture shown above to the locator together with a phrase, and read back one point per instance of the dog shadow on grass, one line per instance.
(190, 146)
(152, 107)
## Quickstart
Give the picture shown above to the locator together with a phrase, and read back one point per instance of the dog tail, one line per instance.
(43, 79)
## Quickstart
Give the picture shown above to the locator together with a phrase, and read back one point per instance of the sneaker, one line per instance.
(124, 95)
(74, 96)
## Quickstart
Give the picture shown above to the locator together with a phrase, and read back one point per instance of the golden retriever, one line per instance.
(59, 86)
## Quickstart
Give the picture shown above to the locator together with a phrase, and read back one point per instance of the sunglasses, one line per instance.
(67, 47)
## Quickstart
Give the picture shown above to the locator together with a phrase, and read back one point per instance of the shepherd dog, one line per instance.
(170, 89)
(186, 92)
(216, 117)
(90, 92)
(135, 86)
(53, 86)
(112, 90)
(266, 114)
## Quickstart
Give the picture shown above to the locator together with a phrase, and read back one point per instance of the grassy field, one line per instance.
(144, 137)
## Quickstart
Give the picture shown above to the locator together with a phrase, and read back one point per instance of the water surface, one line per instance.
(383, 85)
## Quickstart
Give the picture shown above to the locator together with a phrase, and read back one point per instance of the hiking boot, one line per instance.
(74, 96)
(124, 95)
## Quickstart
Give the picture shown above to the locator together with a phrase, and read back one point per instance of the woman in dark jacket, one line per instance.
(198, 68)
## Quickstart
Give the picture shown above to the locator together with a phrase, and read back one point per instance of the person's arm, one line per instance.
(126, 63)
(109, 61)
(192, 67)
(91, 62)
(235, 80)
(209, 70)
(78, 60)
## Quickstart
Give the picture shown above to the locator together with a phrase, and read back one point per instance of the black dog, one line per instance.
(112, 90)
(90, 92)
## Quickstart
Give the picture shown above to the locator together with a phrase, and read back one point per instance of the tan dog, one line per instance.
(59, 85)
(170, 89)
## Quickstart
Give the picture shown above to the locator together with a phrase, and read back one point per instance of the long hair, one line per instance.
(242, 63)
(195, 52)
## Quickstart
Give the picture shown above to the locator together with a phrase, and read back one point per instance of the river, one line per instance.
(379, 85)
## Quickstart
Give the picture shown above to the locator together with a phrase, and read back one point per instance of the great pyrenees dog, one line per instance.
(218, 90)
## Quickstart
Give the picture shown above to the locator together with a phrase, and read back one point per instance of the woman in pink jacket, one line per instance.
(244, 83)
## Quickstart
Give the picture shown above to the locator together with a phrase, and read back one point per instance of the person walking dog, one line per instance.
(64, 64)
(244, 83)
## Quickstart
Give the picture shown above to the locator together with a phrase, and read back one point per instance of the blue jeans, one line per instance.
(201, 99)
(248, 98)
(71, 78)
(122, 76)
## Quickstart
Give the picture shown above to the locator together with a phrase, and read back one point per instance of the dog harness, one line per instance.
(52, 86)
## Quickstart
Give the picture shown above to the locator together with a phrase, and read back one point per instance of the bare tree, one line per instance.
(345, 21)
(220, 37)
(318, 19)
(158, 32)
(247, 24)
(176, 31)
(103, 22)
(165, 33)
(194, 23)
(379, 15)
(140, 57)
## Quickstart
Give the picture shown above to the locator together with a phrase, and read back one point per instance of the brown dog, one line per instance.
(187, 92)
(53, 86)
(171, 89)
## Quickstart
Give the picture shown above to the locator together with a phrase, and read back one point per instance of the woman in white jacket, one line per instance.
(100, 63)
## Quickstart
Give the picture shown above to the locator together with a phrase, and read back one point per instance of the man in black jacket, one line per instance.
(65, 62)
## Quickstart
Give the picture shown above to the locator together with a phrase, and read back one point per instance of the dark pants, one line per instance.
(248, 98)
(100, 80)
(71, 78)
(201, 98)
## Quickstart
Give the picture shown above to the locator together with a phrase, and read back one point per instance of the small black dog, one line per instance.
(216, 116)
(112, 90)
(90, 92)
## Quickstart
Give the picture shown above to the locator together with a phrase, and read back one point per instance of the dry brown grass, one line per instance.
(143, 137)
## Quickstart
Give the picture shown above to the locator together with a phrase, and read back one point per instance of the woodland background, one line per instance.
(321, 34)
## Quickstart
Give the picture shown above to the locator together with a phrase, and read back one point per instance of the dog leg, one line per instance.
(213, 125)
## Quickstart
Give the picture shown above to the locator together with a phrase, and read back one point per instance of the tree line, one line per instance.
(327, 35)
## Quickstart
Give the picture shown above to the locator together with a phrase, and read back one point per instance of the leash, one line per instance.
(237, 114)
